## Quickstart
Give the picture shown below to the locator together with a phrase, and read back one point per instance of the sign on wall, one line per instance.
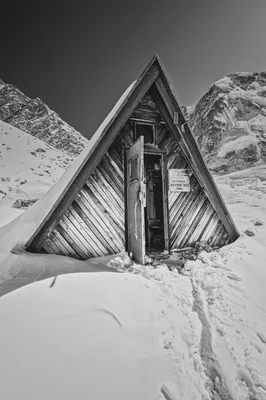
(179, 180)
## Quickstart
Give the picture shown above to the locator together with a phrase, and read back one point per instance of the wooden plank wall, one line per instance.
(191, 215)
(94, 224)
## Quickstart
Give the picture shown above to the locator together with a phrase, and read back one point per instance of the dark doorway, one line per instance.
(154, 212)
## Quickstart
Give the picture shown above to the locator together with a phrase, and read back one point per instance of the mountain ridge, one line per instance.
(33, 116)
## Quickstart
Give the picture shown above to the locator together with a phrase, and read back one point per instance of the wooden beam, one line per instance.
(125, 200)
(165, 203)
(108, 135)
(176, 117)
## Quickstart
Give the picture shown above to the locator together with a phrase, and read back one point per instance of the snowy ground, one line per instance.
(198, 335)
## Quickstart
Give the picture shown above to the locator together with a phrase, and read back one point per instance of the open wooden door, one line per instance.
(136, 197)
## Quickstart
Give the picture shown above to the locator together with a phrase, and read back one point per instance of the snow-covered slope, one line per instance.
(36, 118)
(229, 122)
(28, 168)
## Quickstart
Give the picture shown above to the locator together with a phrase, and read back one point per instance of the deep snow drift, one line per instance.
(77, 340)
(200, 334)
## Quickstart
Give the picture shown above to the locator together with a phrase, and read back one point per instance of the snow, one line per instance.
(18, 163)
(224, 83)
(103, 334)
(259, 120)
(28, 168)
(256, 95)
(235, 305)
(221, 118)
(78, 340)
(190, 109)
(92, 333)
(239, 143)
(128, 334)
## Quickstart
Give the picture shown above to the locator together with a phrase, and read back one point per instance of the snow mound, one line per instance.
(79, 340)
(101, 336)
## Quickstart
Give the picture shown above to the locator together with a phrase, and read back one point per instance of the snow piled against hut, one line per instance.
(196, 335)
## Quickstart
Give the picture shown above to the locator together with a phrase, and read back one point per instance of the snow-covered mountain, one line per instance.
(28, 168)
(229, 122)
(36, 118)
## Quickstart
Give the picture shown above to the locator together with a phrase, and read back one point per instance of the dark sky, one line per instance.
(79, 56)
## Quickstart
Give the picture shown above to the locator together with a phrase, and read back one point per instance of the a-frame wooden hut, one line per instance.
(141, 182)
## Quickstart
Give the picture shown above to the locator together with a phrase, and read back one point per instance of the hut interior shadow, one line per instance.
(154, 214)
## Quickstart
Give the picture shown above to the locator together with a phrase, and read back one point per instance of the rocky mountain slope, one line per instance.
(36, 118)
(229, 122)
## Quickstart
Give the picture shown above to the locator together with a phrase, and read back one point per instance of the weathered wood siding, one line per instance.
(94, 224)
(191, 215)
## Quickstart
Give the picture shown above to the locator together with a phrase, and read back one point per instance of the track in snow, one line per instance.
(213, 370)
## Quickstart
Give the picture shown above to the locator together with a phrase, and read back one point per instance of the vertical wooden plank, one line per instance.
(108, 207)
(126, 201)
(93, 244)
(202, 224)
(51, 247)
(188, 223)
(210, 228)
(101, 221)
(165, 203)
(60, 241)
(216, 233)
(93, 225)
(176, 118)
(191, 234)
(64, 231)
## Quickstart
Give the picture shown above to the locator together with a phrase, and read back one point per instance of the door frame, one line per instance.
(162, 154)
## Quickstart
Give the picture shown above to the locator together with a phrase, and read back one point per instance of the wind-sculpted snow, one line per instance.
(229, 122)
(36, 118)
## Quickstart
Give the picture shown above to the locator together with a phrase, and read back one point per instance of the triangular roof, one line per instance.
(43, 216)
